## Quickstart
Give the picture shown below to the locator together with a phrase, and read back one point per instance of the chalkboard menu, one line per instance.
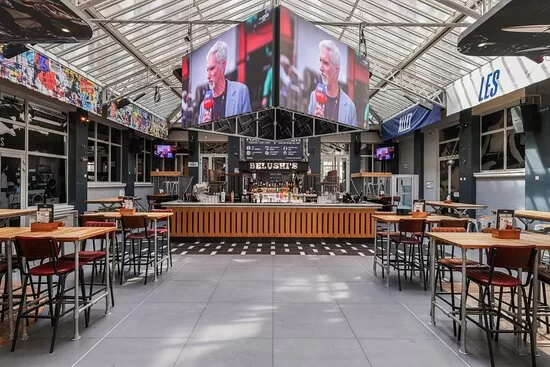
(287, 150)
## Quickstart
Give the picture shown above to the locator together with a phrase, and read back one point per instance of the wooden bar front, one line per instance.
(272, 221)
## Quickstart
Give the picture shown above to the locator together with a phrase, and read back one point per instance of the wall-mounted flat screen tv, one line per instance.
(164, 151)
(385, 153)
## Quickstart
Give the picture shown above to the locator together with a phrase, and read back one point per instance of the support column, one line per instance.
(469, 147)
(355, 153)
(233, 157)
(194, 153)
(128, 164)
(418, 161)
(314, 151)
(537, 163)
(77, 183)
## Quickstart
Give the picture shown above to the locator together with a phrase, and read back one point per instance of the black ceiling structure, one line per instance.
(42, 21)
(510, 28)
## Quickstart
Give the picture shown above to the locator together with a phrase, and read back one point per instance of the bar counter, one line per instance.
(271, 220)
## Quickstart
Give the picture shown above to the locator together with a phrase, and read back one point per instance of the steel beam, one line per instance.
(461, 8)
(226, 21)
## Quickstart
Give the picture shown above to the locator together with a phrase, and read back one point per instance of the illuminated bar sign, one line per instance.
(275, 166)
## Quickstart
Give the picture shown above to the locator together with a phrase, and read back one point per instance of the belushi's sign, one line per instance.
(274, 166)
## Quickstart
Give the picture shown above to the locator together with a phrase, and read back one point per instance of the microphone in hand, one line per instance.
(208, 100)
(321, 98)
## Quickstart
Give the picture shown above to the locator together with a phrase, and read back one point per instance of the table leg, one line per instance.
(519, 337)
(388, 244)
(463, 296)
(433, 277)
(168, 244)
(375, 248)
(534, 321)
(76, 334)
(155, 257)
(9, 280)
(108, 274)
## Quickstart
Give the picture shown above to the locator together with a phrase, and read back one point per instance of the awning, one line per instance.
(414, 118)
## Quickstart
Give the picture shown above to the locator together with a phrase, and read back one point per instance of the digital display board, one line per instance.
(320, 75)
(231, 74)
(287, 150)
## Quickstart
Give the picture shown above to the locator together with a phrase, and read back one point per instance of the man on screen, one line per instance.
(328, 100)
(224, 98)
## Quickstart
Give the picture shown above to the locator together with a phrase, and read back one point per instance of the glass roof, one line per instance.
(134, 58)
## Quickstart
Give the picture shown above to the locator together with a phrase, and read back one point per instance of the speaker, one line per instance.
(530, 117)
(357, 145)
(136, 146)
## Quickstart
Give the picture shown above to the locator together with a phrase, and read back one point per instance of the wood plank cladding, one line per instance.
(274, 222)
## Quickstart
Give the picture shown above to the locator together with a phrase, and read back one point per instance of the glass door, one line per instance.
(13, 189)
(335, 172)
(213, 164)
(405, 192)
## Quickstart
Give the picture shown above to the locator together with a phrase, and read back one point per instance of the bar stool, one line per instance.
(135, 228)
(411, 236)
(46, 251)
(509, 258)
(382, 236)
(162, 231)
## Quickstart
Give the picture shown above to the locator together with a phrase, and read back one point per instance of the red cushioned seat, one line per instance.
(136, 236)
(499, 279)
(46, 269)
(160, 231)
(85, 256)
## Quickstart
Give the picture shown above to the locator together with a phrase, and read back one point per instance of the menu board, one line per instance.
(287, 150)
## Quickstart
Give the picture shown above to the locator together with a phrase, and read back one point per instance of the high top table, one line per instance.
(394, 219)
(63, 235)
(111, 203)
(155, 217)
(6, 214)
(458, 208)
(471, 241)
(529, 216)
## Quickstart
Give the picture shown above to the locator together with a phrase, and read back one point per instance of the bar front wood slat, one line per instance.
(275, 222)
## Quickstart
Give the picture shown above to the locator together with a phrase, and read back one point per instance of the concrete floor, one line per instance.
(260, 311)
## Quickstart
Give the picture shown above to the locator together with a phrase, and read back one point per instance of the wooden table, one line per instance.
(6, 214)
(112, 203)
(470, 241)
(393, 219)
(63, 234)
(457, 208)
(155, 217)
(529, 216)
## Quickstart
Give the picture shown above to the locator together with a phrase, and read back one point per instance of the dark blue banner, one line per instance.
(409, 121)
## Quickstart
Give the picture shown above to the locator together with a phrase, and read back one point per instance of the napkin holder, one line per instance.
(419, 214)
(44, 227)
(124, 211)
(506, 234)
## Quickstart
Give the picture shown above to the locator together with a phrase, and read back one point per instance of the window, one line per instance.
(47, 156)
(367, 157)
(448, 152)
(104, 153)
(501, 147)
(143, 162)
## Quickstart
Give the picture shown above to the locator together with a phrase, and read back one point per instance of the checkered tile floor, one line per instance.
(257, 247)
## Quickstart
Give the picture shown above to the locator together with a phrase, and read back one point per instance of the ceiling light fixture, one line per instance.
(66, 30)
(535, 28)
(485, 44)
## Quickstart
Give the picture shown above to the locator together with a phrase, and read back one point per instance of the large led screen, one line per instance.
(231, 74)
(320, 75)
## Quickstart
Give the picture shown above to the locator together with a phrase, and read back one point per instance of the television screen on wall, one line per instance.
(320, 75)
(164, 151)
(231, 74)
(385, 154)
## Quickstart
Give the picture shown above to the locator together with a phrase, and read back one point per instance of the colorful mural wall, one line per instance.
(39, 73)
(138, 119)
